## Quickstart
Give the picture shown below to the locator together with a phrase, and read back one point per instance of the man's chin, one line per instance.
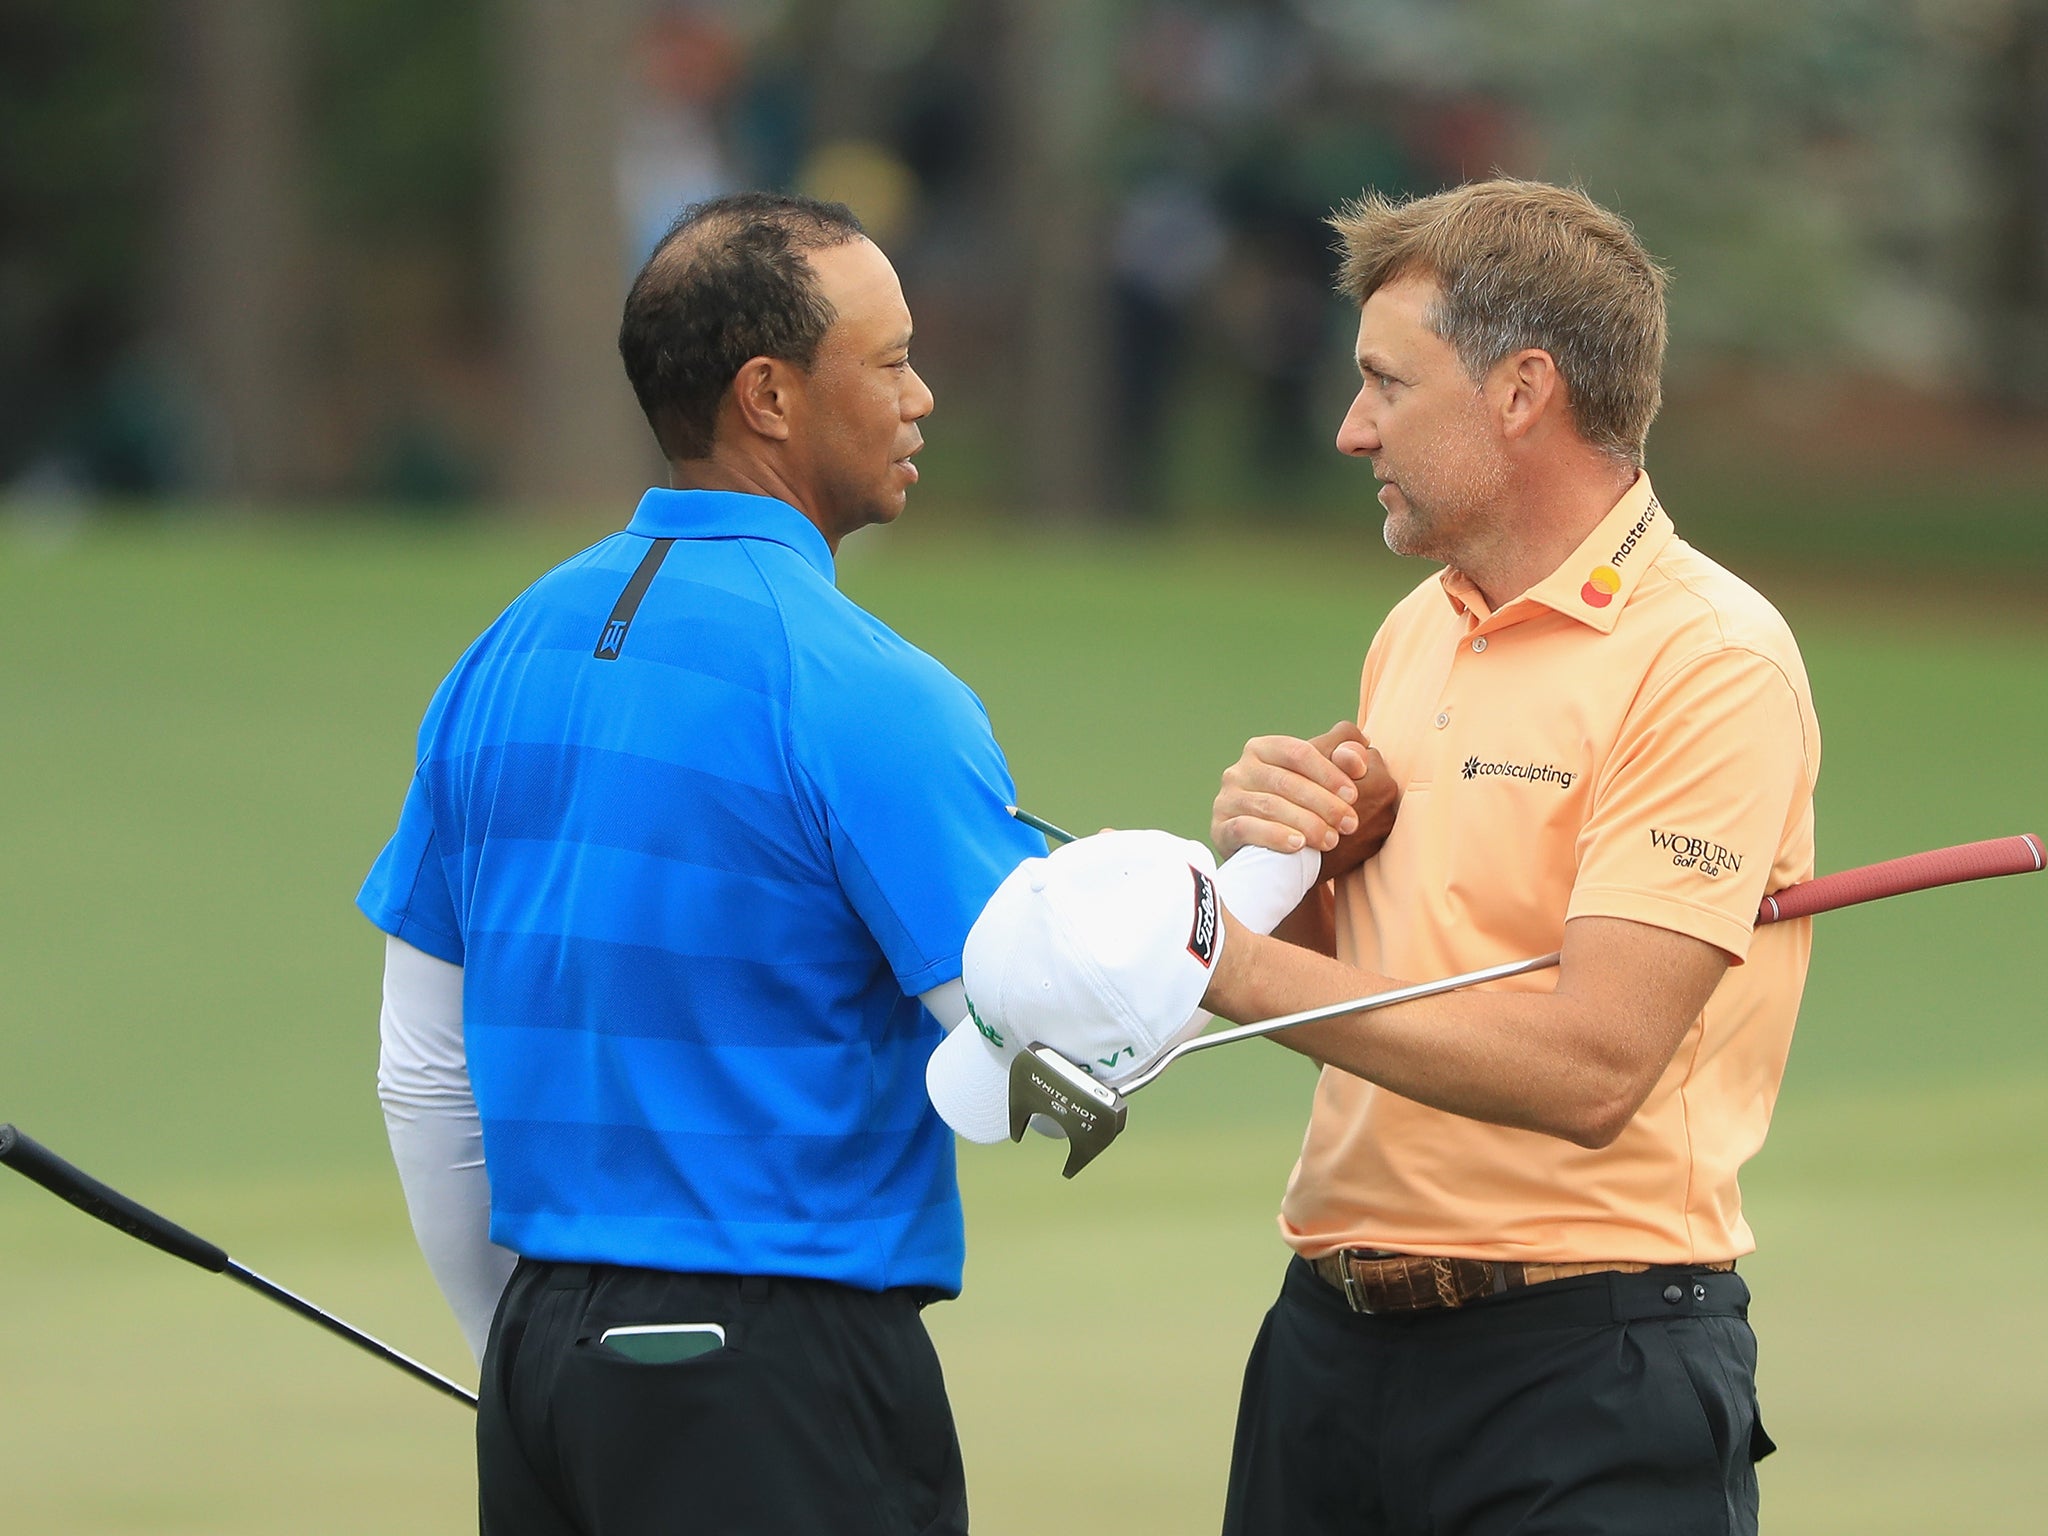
(884, 509)
(1401, 534)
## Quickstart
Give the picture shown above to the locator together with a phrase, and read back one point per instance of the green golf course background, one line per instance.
(207, 731)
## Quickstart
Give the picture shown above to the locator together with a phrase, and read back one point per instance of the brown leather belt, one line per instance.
(1415, 1282)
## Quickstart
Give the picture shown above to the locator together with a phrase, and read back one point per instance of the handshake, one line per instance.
(1102, 952)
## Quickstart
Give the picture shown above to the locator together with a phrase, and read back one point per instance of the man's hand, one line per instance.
(1332, 793)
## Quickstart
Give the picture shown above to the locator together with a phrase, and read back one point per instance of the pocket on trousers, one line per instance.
(1718, 1357)
(658, 1343)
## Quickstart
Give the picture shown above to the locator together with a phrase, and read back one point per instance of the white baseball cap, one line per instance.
(1102, 950)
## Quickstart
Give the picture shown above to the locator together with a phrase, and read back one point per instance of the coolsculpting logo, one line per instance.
(1605, 580)
(1535, 773)
(1687, 852)
(1202, 937)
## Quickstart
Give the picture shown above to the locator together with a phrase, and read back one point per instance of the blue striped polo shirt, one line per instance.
(698, 830)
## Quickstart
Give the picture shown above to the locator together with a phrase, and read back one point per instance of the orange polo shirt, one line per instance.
(1633, 738)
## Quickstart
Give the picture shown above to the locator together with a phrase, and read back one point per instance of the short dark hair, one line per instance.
(728, 282)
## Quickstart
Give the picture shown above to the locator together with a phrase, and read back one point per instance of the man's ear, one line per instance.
(764, 394)
(1528, 391)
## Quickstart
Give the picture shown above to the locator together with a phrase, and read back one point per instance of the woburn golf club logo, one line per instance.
(1605, 580)
(1534, 773)
(1202, 937)
(1710, 859)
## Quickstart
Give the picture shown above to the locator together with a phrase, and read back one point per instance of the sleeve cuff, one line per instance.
(1708, 924)
(401, 925)
(935, 973)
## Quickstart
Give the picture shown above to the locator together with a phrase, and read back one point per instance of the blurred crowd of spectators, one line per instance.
(1206, 142)
(1234, 128)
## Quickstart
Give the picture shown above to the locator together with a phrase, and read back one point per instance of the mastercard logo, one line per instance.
(1601, 586)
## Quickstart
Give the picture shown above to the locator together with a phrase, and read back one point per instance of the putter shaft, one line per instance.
(1337, 1010)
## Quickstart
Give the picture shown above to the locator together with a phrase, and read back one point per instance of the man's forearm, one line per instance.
(1313, 924)
(436, 1135)
(1567, 1063)
(439, 1155)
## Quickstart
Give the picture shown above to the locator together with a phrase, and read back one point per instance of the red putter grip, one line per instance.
(2020, 855)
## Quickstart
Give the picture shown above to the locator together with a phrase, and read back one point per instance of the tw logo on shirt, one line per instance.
(1688, 852)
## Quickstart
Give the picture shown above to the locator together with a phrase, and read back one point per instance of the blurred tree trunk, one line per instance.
(238, 289)
(576, 434)
(2016, 314)
(1056, 88)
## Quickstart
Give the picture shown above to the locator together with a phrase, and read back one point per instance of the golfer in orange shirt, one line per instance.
(1513, 1305)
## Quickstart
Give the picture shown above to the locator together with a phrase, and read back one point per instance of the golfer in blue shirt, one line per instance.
(674, 915)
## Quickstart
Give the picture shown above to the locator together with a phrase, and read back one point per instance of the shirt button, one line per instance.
(1479, 643)
(1443, 720)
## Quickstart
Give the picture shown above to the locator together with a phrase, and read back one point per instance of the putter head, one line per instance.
(1043, 1082)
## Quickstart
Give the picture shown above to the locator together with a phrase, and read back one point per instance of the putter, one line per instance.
(37, 1163)
(1093, 1114)
(1043, 1082)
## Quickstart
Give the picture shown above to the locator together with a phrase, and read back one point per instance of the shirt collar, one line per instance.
(664, 514)
(1597, 579)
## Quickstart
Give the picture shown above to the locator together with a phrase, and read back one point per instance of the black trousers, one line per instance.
(1601, 1404)
(823, 1411)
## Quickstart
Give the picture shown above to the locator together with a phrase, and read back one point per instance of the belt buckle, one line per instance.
(1353, 1297)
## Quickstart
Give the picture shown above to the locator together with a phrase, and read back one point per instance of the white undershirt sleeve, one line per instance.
(947, 1002)
(436, 1137)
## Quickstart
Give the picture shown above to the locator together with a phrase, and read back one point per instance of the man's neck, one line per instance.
(750, 476)
(1542, 521)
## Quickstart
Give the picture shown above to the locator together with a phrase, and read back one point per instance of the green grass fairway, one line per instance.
(207, 732)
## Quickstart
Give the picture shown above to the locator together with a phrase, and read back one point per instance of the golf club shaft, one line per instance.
(1040, 824)
(354, 1335)
(37, 1163)
(1386, 999)
(2017, 855)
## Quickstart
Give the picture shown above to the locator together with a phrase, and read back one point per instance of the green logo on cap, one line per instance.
(993, 1036)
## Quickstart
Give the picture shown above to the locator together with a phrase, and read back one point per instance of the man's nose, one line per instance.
(919, 402)
(1357, 434)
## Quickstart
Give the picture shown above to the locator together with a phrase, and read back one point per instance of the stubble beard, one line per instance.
(1413, 531)
(1439, 518)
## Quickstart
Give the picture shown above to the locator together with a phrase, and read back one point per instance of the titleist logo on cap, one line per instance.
(1202, 937)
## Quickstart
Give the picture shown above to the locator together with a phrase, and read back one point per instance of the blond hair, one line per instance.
(1525, 264)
